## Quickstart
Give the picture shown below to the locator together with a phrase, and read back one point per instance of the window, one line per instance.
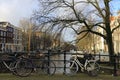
(4, 40)
(2, 33)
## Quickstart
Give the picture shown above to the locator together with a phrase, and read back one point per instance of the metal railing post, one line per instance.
(99, 57)
(115, 65)
(48, 60)
(64, 62)
(118, 60)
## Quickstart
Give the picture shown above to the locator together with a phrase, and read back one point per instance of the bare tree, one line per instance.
(24, 24)
(33, 38)
(27, 31)
(60, 14)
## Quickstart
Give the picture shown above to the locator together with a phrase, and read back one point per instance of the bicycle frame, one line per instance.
(83, 67)
(78, 62)
(8, 65)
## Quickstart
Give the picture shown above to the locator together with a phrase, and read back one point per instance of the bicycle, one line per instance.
(45, 67)
(42, 67)
(10, 61)
(90, 66)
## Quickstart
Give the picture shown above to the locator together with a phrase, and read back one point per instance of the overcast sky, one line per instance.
(14, 10)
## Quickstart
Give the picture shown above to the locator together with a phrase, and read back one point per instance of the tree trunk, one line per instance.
(108, 31)
(110, 47)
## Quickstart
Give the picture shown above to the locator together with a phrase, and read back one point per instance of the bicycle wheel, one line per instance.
(48, 67)
(39, 68)
(71, 68)
(23, 67)
(92, 69)
(2, 67)
(12, 67)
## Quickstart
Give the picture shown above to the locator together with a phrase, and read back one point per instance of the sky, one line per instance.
(115, 5)
(14, 10)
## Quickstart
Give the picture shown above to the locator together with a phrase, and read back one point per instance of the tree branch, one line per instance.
(82, 37)
(115, 28)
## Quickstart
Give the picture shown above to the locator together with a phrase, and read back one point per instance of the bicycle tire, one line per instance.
(24, 67)
(92, 69)
(71, 68)
(12, 67)
(2, 67)
(47, 67)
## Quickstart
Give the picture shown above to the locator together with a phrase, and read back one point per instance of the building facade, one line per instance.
(17, 39)
(101, 43)
(115, 21)
(10, 37)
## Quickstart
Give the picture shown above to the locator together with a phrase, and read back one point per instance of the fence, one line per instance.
(49, 53)
(115, 64)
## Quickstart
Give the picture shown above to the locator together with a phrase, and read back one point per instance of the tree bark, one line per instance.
(108, 31)
(110, 47)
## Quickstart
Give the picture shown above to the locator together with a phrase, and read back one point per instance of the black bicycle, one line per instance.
(10, 61)
(26, 65)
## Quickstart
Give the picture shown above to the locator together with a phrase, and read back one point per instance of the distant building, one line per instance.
(115, 21)
(99, 43)
(10, 37)
(37, 41)
(17, 39)
(45, 40)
